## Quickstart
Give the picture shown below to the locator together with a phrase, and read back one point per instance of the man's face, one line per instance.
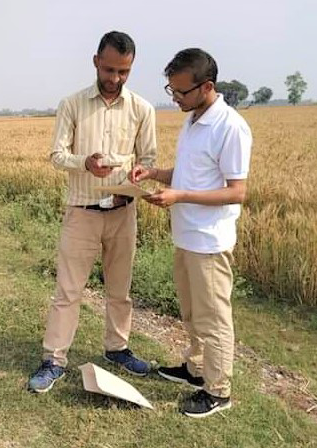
(182, 82)
(113, 69)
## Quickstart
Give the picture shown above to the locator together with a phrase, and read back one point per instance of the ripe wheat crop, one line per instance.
(277, 244)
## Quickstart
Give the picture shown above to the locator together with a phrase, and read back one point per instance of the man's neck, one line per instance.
(109, 97)
(197, 113)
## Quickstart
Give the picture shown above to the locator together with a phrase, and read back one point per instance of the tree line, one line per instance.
(235, 92)
(28, 112)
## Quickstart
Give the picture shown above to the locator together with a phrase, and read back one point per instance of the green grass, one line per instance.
(281, 335)
(70, 417)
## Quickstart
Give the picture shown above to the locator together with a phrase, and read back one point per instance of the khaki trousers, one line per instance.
(84, 232)
(204, 285)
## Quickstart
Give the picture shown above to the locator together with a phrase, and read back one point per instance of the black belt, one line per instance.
(97, 207)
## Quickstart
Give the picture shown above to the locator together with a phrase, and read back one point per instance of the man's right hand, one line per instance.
(140, 172)
(93, 164)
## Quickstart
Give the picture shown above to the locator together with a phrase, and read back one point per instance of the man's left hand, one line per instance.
(164, 198)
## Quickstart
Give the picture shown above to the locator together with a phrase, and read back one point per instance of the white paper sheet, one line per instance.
(100, 381)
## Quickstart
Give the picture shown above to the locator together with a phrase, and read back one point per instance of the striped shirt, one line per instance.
(123, 130)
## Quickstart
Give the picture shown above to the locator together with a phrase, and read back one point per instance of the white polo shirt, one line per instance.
(215, 148)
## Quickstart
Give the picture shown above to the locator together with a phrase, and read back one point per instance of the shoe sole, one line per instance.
(178, 380)
(213, 411)
(117, 364)
(43, 391)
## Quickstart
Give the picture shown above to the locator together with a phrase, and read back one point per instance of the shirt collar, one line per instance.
(208, 115)
(94, 92)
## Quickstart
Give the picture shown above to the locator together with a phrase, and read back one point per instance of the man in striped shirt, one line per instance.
(100, 133)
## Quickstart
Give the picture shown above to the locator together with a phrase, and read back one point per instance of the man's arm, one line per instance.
(163, 176)
(233, 164)
(145, 148)
(61, 154)
(145, 143)
(233, 193)
(140, 172)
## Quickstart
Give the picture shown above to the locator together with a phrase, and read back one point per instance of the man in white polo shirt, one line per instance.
(207, 183)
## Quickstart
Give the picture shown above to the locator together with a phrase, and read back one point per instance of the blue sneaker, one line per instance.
(45, 377)
(124, 358)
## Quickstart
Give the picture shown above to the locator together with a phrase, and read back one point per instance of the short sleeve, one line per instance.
(235, 155)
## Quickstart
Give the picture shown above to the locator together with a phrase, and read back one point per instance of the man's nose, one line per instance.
(115, 77)
(176, 96)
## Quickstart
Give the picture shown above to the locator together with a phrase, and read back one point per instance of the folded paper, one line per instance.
(100, 381)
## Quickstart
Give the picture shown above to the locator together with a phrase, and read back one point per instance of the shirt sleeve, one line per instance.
(145, 143)
(236, 152)
(62, 148)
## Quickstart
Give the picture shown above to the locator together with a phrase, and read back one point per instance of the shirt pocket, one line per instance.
(126, 139)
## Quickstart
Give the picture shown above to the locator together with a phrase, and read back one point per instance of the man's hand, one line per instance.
(139, 173)
(93, 164)
(164, 198)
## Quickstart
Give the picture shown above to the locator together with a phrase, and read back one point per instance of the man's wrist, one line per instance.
(154, 173)
(180, 196)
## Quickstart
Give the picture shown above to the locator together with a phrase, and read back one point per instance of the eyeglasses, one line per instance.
(180, 93)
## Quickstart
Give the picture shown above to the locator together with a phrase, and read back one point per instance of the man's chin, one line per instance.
(184, 108)
(111, 90)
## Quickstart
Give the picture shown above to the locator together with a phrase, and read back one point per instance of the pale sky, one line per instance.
(46, 46)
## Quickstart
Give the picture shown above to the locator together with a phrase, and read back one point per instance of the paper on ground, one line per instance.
(101, 381)
(126, 189)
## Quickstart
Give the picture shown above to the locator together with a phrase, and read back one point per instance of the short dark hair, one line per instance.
(201, 64)
(122, 42)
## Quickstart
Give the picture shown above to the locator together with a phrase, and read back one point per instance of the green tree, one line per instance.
(262, 96)
(296, 86)
(233, 91)
(241, 89)
(6, 112)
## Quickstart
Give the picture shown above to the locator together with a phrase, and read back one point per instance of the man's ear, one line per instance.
(210, 86)
(96, 60)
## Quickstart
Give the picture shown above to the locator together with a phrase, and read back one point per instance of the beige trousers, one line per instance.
(204, 285)
(83, 233)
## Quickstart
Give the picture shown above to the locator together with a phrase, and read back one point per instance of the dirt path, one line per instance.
(168, 331)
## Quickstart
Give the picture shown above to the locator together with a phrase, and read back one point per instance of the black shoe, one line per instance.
(201, 404)
(181, 375)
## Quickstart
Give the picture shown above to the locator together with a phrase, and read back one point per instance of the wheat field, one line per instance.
(277, 245)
